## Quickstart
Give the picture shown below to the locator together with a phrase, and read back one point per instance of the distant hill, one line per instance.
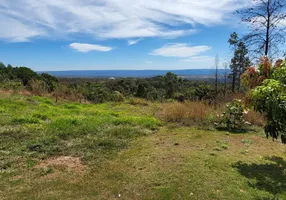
(189, 73)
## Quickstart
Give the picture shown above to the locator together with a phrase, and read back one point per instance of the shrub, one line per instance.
(118, 97)
(11, 85)
(38, 87)
(233, 117)
(98, 93)
(50, 81)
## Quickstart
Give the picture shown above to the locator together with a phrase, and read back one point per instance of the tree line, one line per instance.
(158, 88)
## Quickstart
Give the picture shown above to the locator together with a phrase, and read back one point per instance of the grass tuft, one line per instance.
(138, 102)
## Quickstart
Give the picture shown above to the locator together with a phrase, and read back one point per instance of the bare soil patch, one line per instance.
(68, 163)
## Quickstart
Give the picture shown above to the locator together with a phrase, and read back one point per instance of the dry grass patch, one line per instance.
(66, 163)
(255, 118)
(189, 113)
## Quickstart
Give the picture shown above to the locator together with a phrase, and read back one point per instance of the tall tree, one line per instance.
(172, 84)
(243, 61)
(240, 61)
(2, 66)
(265, 19)
(233, 41)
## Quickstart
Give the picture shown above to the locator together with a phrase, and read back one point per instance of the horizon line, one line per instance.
(125, 70)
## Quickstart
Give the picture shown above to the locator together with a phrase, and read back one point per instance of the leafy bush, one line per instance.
(233, 117)
(51, 81)
(98, 93)
(270, 98)
(38, 87)
(14, 77)
(11, 85)
(269, 95)
(118, 97)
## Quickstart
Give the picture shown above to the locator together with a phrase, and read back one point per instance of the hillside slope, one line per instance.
(119, 150)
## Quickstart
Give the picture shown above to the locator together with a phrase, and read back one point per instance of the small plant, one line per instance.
(30, 163)
(224, 146)
(45, 171)
(244, 151)
(233, 117)
(247, 141)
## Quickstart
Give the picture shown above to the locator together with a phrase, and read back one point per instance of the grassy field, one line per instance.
(122, 151)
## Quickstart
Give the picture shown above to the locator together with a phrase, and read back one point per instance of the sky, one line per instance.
(55, 35)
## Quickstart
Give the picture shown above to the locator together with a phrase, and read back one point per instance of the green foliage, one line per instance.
(270, 98)
(2, 66)
(25, 74)
(11, 76)
(142, 91)
(280, 73)
(37, 125)
(11, 84)
(233, 118)
(240, 61)
(159, 88)
(98, 93)
(203, 92)
(50, 81)
(172, 84)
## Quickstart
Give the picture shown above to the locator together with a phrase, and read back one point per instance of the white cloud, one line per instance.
(180, 50)
(15, 31)
(82, 47)
(132, 42)
(198, 59)
(123, 19)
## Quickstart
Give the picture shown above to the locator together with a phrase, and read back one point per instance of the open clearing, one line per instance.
(122, 151)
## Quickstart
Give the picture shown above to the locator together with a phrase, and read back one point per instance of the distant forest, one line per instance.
(98, 90)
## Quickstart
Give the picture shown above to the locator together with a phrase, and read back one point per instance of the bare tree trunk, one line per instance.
(216, 79)
(233, 81)
(265, 19)
(238, 84)
(267, 29)
(225, 79)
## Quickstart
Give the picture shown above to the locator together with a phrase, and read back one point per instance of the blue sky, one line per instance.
(116, 34)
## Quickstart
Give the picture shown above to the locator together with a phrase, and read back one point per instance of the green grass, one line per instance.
(125, 151)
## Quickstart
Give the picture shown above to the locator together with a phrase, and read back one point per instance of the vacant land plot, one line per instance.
(121, 150)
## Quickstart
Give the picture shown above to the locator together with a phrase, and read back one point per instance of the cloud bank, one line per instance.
(109, 19)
